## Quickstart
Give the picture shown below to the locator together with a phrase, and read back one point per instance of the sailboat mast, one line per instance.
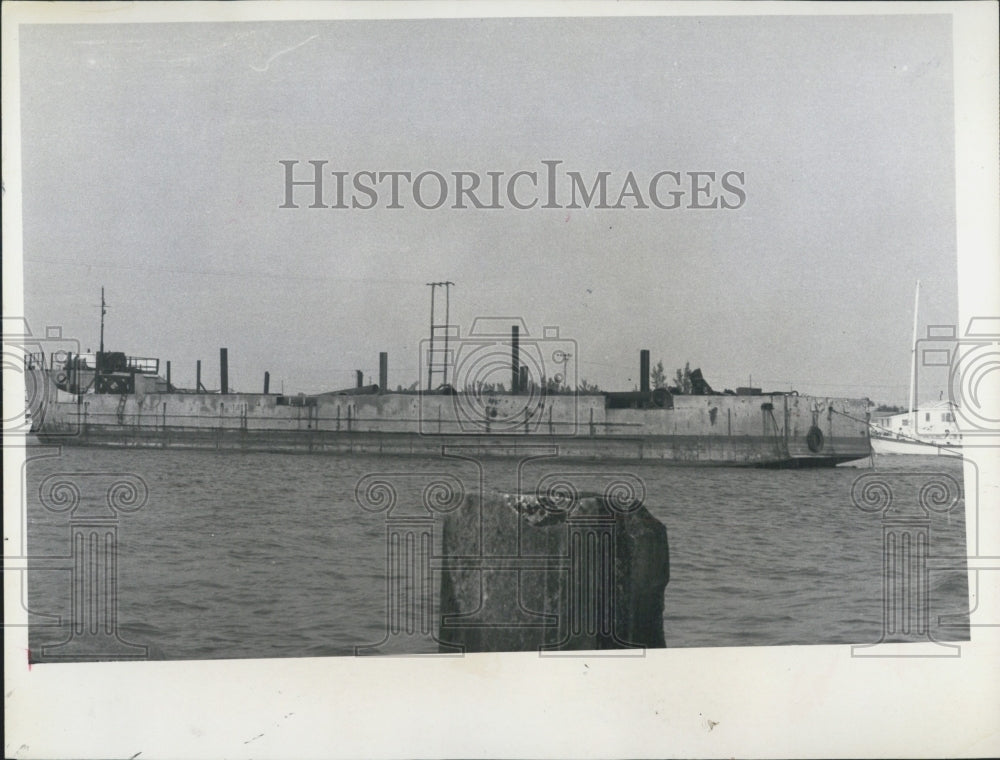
(913, 357)
(103, 312)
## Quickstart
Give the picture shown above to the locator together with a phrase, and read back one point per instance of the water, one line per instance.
(270, 555)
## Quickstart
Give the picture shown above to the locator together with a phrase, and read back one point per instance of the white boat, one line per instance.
(931, 430)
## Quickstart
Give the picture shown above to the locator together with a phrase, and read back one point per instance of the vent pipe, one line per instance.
(515, 359)
(224, 370)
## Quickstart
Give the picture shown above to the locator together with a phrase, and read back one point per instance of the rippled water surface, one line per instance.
(270, 555)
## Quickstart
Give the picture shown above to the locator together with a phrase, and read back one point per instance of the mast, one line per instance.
(430, 353)
(435, 327)
(913, 359)
(104, 310)
(447, 324)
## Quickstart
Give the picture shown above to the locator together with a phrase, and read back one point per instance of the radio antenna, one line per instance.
(104, 310)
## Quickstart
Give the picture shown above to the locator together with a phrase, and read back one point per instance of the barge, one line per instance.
(120, 401)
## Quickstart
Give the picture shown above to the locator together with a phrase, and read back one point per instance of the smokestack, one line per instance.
(361, 378)
(644, 370)
(522, 383)
(515, 359)
(197, 376)
(169, 386)
(267, 382)
(383, 371)
(224, 370)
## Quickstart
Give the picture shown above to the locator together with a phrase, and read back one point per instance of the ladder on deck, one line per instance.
(435, 364)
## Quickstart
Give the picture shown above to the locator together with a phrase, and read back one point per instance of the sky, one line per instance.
(151, 167)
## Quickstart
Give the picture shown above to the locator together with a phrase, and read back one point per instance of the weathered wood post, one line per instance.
(522, 574)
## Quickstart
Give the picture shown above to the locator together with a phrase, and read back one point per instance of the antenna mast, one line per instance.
(913, 359)
(434, 329)
(104, 310)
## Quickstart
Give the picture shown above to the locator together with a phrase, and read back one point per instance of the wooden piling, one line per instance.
(523, 577)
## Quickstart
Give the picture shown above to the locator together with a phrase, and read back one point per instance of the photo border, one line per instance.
(759, 701)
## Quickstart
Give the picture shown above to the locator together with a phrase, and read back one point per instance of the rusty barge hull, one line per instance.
(776, 430)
